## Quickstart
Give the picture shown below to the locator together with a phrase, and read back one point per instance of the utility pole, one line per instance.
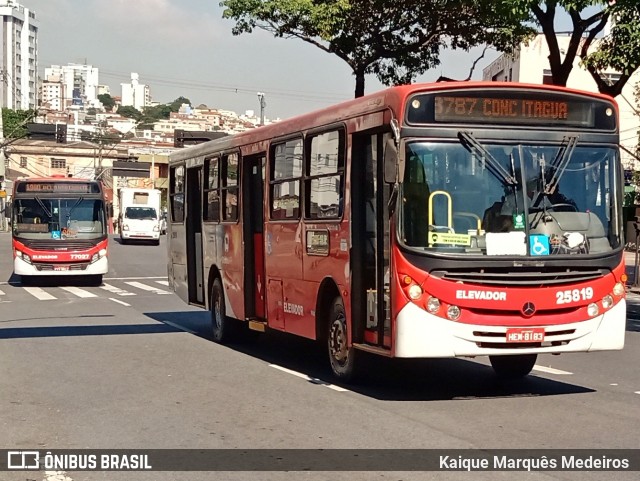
(263, 104)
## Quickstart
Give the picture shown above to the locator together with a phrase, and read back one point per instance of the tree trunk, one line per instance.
(359, 75)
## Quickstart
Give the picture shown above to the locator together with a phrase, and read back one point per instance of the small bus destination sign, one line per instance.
(58, 187)
(511, 108)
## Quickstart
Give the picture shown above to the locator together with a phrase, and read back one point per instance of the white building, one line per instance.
(18, 56)
(530, 64)
(135, 94)
(72, 85)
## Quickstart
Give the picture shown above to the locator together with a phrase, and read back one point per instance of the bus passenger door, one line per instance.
(255, 284)
(194, 236)
(370, 259)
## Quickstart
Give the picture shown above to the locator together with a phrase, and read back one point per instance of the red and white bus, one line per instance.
(424, 221)
(60, 228)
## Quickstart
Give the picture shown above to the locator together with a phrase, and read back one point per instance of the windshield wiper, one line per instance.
(560, 163)
(80, 199)
(470, 143)
(44, 207)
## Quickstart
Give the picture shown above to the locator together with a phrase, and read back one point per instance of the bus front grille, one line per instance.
(56, 245)
(521, 277)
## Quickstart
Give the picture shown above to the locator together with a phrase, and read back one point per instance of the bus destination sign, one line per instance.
(511, 108)
(58, 187)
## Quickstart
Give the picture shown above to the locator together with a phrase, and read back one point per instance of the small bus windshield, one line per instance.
(52, 218)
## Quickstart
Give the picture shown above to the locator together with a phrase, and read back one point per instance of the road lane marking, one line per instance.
(145, 287)
(164, 283)
(120, 302)
(2, 293)
(76, 291)
(130, 278)
(39, 294)
(314, 380)
(550, 370)
(116, 290)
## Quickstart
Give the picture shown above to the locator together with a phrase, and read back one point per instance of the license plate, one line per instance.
(61, 268)
(525, 334)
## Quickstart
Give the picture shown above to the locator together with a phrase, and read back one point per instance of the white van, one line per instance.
(140, 216)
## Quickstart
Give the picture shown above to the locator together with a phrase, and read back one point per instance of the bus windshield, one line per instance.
(480, 198)
(58, 218)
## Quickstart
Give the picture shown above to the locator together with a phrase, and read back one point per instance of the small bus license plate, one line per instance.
(526, 334)
(61, 268)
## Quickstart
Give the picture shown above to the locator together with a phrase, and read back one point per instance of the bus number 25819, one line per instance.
(574, 295)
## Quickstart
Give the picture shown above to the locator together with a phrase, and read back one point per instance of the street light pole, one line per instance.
(263, 104)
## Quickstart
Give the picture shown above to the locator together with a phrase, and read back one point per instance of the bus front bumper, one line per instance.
(23, 268)
(423, 335)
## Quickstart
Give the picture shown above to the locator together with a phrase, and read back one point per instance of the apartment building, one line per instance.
(18, 56)
(70, 86)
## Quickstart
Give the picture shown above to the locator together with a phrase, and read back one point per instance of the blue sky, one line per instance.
(185, 48)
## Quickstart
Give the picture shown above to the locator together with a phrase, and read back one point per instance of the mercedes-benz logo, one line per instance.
(528, 309)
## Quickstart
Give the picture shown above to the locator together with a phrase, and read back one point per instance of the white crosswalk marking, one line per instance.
(76, 291)
(116, 290)
(2, 293)
(39, 293)
(145, 287)
(164, 283)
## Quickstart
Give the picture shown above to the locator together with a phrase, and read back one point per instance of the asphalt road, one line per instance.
(129, 365)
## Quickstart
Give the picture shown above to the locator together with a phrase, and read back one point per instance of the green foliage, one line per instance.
(396, 41)
(107, 101)
(130, 112)
(619, 50)
(14, 122)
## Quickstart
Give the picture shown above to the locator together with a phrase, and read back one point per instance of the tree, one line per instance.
(177, 103)
(107, 101)
(619, 50)
(396, 41)
(129, 112)
(14, 122)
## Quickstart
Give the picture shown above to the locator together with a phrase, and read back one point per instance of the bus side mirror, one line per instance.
(390, 161)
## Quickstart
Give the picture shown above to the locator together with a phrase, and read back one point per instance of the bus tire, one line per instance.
(222, 327)
(342, 358)
(513, 367)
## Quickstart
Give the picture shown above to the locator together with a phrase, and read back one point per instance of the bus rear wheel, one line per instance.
(513, 367)
(222, 327)
(342, 358)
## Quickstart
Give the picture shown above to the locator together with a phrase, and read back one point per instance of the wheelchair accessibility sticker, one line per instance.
(539, 245)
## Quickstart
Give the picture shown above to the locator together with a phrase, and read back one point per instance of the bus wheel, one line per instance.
(341, 357)
(221, 325)
(513, 367)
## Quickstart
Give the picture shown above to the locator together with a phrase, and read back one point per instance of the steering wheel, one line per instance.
(562, 206)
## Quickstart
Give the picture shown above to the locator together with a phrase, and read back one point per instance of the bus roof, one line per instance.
(388, 100)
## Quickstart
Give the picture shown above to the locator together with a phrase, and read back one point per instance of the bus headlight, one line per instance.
(102, 252)
(453, 313)
(592, 309)
(95, 257)
(23, 256)
(433, 305)
(415, 291)
(607, 301)
(618, 289)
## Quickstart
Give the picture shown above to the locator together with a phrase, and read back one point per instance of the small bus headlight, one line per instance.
(433, 305)
(618, 289)
(592, 309)
(415, 291)
(607, 301)
(453, 313)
